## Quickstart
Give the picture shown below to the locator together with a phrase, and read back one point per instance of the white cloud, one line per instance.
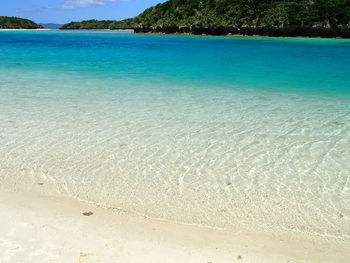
(70, 4)
(30, 10)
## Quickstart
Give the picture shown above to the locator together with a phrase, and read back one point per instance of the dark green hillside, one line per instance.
(100, 24)
(88, 24)
(247, 13)
(325, 18)
(17, 23)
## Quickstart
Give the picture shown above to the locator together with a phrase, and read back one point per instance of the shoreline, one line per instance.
(186, 34)
(25, 29)
(39, 228)
(209, 35)
(241, 36)
(290, 31)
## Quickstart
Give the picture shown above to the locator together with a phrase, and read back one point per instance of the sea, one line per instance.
(222, 132)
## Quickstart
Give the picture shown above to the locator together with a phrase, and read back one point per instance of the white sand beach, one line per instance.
(37, 229)
(24, 29)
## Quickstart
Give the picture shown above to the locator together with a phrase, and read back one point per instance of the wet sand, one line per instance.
(36, 228)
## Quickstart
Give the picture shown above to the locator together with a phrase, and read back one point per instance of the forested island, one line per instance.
(312, 18)
(91, 24)
(7, 22)
(50, 25)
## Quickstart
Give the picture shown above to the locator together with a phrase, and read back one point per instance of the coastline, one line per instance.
(240, 36)
(183, 34)
(208, 35)
(25, 29)
(39, 228)
(291, 31)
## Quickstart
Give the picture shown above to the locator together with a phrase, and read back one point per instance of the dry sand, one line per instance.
(38, 229)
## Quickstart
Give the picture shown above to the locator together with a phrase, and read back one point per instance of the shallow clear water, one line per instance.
(222, 132)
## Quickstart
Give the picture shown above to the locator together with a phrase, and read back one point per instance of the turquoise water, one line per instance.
(234, 133)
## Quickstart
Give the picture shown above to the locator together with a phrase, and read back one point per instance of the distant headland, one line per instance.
(307, 18)
(7, 22)
(50, 25)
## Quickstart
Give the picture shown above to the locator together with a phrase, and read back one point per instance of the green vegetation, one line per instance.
(247, 13)
(88, 24)
(17, 23)
(235, 13)
(100, 24)
(325, 18)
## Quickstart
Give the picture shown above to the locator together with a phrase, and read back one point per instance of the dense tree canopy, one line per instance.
(235, 13)
(89, 24)
(100, 24)
(252, 13)
(17, 23)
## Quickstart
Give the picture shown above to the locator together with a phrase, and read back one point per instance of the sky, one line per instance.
(64, 11)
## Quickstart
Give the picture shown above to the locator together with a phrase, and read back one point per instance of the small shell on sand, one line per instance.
(88, 213)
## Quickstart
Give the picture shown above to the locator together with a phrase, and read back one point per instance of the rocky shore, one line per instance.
(250, 31)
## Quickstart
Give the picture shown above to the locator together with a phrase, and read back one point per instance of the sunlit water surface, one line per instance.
(221, 132)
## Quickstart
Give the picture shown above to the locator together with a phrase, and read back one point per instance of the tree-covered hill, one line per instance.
(17, 23)
(281, 17)
(50, 25)
(248, 13)
(88, 24)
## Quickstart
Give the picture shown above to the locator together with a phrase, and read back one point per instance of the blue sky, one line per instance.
(63, 11)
